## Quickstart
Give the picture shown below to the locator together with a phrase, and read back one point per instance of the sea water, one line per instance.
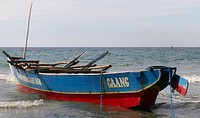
(14, 104)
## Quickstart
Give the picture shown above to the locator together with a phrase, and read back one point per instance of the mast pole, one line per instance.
(27, 33)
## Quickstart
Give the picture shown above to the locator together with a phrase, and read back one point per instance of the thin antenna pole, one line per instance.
(27, 33)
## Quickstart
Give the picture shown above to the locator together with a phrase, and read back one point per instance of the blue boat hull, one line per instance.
(124, 89)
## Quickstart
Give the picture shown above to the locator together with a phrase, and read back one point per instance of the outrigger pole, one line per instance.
(96, 59)
(27, 33)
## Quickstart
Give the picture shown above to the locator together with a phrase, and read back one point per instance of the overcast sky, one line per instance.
(102, 23)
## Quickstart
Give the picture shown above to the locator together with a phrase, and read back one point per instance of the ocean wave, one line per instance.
(190, 98)
(193, 78)
(21, 104)
(7, 77)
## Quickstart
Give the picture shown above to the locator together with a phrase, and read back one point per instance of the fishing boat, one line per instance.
(92, 83)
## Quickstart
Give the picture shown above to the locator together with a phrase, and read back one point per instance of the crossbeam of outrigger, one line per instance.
(69, 67)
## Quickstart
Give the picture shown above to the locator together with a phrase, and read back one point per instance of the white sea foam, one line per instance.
(191, 98)
(193, 78)
(7, 77)
(21, 104)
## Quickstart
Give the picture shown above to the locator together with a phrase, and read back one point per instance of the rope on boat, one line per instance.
(171, 102)
(101, 87)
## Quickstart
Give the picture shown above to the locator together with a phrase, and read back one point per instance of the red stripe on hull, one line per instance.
(126, 100)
